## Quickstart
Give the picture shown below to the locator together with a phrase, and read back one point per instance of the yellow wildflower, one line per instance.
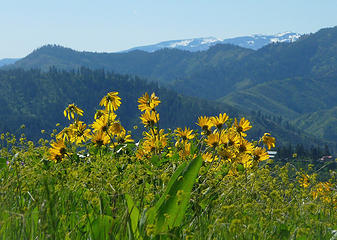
(141, 153)
(111, 116)
(205, 123)
(304, 180)
(219, 121)
(111, 101)
(79, 132)
(57, 151)
(186, 134)
(100, 113)
(101, 124)
(213, 140)
(185, 151)
(227, 153)
(150, 146)
(147, 103)
(260, 154)
(123, 138)
(65, 134)
(323, 191)
(242, 126)
(246, 160)
(116, 128)
(230, 138)
(245, 146)
(268, 140)
(208, 157)
(155, 139)
(71, 110)
(149, 118)
(100, 138)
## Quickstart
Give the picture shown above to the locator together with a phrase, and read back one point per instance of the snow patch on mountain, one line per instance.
(282, 34)
(255, 42)
(209, 40)
(181, 43)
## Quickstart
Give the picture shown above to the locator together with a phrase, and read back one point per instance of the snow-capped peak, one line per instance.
(181, 43)
(255, 42)
(209, 40)
(282, 34)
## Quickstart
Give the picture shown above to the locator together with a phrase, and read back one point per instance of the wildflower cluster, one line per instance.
(155, 140)
(324, 191)
(225, 142)
(106, 130)
(221, 141)
(183, 141)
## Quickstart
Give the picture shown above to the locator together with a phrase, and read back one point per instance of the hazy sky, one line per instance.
(109, 26)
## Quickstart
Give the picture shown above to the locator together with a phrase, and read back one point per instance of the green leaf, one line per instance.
(101, 227)
(134, 215)
(172, 181)
(170, 208)
(35, 217)
(151, 214)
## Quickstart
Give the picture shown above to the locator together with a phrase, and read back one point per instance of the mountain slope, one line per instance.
(289, 97)
(164, 65)
(321, 123)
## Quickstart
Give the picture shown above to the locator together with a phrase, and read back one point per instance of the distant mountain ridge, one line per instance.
(7, 61)
(254, 42)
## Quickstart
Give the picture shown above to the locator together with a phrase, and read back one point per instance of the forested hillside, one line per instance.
(164, 66)
(228, 67)
(37, 99)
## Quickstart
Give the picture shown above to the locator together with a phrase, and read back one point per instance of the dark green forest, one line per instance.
(37, 100)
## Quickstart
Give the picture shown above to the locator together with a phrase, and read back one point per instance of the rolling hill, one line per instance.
(292, 80)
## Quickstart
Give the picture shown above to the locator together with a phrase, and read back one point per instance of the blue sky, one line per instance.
(109, 26)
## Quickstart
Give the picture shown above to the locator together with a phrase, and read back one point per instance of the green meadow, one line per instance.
(94, 181)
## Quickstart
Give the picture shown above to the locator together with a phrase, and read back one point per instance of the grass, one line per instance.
(170, 185)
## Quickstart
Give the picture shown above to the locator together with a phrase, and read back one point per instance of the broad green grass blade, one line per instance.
(134, 215)
(101, 227)
(171, 207)
(151, 213)
(172, 181)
